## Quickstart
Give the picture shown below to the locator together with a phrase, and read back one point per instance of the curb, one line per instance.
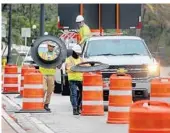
(40, 125)
(12, 123)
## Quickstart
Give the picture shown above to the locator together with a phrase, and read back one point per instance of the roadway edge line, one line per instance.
(12, 123)
(39, 124)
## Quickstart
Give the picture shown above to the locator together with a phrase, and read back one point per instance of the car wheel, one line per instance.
(57, 88)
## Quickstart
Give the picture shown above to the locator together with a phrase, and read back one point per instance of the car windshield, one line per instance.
(116, 47)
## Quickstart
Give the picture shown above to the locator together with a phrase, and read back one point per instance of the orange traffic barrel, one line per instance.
(92, 95)
(149, 117)
(25, 69)
(33, 93)
(2, 81)
(11, 79)
(120, 99)
(160, 90)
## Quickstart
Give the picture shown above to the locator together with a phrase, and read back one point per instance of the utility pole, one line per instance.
(9, 34)
(42, 14)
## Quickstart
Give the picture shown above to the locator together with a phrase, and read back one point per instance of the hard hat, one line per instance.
(76, 49)
(51, 44)
(79, 18)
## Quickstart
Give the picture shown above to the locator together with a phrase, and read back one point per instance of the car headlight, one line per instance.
(154, 69)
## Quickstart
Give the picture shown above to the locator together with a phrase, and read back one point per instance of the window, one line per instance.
(116, 47)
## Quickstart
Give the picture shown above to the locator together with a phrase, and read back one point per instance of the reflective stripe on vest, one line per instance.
(47, 71)
(76, 76)
(84, 33)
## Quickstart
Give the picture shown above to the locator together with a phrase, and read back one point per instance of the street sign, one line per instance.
(26, 32)
(3, 30)
(67, 14)
(4, 20)
(91, 13)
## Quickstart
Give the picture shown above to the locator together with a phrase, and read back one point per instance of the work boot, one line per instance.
(75, 112)
(79, 110)
(46, 107)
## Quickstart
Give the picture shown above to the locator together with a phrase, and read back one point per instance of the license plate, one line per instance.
(138, 92)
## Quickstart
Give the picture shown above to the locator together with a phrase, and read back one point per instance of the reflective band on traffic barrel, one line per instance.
(11, 75)
(118, 109)
(30, 86)
(92, 102)
(92, 88)
(92, 95)
(120, 99)
(163, 99)
(120, 92)
(34, 100)
(10, 85)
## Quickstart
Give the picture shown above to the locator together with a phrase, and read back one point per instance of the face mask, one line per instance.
(75, 55)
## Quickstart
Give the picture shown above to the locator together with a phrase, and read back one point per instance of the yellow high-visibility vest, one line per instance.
(75, 76)
(84, 33)
(48, 71)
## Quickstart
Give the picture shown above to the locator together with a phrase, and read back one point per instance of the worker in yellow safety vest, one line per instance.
(75, 79)
(84, 30)
(48, 74)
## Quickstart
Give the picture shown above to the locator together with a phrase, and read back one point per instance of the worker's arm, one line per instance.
(68, 65)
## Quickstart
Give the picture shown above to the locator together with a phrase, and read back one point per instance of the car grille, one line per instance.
(136, 71)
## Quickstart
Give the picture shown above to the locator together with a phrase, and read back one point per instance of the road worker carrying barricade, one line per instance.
(75, 79)
(84, 30)
(48, 74)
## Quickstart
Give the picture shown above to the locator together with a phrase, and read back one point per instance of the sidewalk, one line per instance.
(61, 119)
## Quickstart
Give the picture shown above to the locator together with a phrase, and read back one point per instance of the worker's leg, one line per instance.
(73, 93)
(73, 96)
(45, 85)
(79, 84)
(50, 88)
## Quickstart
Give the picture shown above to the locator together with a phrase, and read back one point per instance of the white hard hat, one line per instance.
(76, 49)
(79, 18)
(51, 44)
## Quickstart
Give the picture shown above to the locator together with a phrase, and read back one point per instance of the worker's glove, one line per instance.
(59, 67)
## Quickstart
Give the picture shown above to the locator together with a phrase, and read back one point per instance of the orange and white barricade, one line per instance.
(160, 89)
(149, 117)
(120, 99)
(33, 93)
(11, 83)
(97, 32)
(92, 94)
